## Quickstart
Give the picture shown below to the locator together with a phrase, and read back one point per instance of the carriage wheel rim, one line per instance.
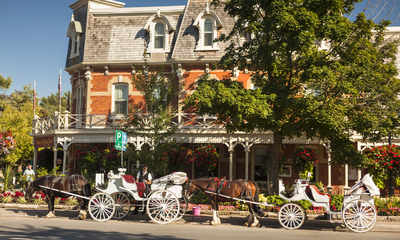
(359, 216)
(122, 205)
(163, 206)
(291, 216)
(101, 207)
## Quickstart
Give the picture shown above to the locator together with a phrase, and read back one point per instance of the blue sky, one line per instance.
(33, 42)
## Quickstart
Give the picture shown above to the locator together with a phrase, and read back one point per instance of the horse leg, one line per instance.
(216, 220)
(50, 202)
(253, 220)
(82, 212)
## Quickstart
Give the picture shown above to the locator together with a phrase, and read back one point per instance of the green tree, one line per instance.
(50, 105)
(5, 83)
(152, 118)
(302, 89)
(18, 117)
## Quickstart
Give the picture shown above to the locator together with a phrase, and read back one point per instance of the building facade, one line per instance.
(109, 42)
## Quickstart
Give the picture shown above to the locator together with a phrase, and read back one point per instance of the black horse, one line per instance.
(219, 190)
(74, 184)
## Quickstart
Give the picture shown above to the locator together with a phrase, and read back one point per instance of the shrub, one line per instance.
(71, 201)
(6, 197)
(336, 201)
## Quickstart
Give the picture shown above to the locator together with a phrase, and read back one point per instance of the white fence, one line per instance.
(101, 121)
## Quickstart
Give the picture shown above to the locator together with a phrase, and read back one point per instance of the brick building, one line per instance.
(107, 43)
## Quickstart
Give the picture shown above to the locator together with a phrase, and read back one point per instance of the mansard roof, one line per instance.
(113, 33)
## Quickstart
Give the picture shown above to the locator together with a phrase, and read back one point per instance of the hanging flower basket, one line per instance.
(304, 160)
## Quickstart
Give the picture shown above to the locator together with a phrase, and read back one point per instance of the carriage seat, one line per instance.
(129, 178)
(314, 194)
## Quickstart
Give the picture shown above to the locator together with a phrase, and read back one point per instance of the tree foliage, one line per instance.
(301, 89)
(5, 83)
(151, 118)
(50, 104)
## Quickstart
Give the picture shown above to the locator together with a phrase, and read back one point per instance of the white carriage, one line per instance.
(357, 212)
(164, 204)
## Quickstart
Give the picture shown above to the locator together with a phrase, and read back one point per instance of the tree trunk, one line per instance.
(272, 164)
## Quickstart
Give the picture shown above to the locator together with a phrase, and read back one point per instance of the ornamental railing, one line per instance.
(68, 121)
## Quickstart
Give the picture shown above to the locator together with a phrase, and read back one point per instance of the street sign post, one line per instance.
(121, 139)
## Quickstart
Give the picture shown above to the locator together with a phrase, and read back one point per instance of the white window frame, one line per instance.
(199, 24)
(74, 33)
(113, 108)
(79, 100)
(150, 28)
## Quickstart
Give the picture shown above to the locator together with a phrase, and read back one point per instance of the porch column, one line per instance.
(230, 164)
(64, 161)
(246, 168)
(55, 156)
(35, 152)
(328, 151)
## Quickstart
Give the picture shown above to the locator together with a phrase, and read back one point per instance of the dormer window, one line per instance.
(159, 29)
(208, 23)
(74, 33)
(159, 36)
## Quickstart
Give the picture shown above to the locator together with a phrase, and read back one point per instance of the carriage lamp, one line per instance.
(1, 111)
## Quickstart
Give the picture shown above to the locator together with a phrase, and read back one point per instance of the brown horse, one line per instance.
(227, 191)
(73, 184)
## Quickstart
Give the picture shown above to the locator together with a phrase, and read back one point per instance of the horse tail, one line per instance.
(256, 207)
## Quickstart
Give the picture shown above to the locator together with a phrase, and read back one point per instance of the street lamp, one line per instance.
(1, 111)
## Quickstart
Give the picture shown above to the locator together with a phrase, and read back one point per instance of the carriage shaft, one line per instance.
(72, 194)
(242, 200)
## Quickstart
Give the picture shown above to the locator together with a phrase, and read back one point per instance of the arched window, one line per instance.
(207, 23)
(159, 28)
(74, 33)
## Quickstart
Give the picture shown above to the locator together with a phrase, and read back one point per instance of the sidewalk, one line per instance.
(313, 222)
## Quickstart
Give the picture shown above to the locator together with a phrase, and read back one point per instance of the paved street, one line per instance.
(30, 224)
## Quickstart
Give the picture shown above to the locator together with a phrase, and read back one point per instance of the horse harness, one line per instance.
(245, 191)
(72, 183)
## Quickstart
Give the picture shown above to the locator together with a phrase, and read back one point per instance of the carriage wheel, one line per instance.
(291, 216)
(183, 205)
(163, 206)
(101, 207)
(122, 205)
(359, 215)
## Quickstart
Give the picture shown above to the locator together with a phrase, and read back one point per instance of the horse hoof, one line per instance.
(50, 215)
(255, 225)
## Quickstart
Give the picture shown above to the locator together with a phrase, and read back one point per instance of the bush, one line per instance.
(336, 201)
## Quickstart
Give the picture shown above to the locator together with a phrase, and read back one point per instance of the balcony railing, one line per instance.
(68, 121)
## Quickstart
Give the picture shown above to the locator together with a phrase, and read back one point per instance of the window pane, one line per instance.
(121, 107)
(207, 25)
(159, 29)
(121, 92)
(159, 42)
(207, 39)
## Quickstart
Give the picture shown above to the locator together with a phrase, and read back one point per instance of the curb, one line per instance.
(202, 212)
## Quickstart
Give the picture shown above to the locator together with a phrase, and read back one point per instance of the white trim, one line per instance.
(150, 28)
(138, 10)
(74, 33)
(199, 24)
(119, 116)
